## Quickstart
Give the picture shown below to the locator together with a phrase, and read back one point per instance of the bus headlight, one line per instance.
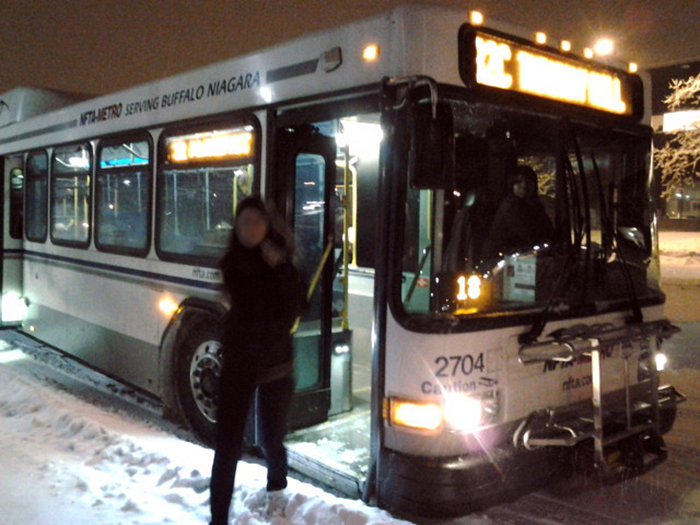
(467, 413)
(462, 413)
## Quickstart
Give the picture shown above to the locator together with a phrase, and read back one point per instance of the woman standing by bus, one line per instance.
(266, 297)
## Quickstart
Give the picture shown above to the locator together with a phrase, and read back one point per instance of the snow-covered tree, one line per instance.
(679, 158)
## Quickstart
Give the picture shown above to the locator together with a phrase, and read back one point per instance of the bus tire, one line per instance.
(198, 368)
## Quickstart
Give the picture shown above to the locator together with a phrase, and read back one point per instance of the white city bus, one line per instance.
(438, 368)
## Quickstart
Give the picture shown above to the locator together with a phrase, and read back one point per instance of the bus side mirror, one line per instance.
(431, 154)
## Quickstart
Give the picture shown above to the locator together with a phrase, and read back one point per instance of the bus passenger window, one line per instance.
(70, 194)
(123, 191)
(37, 172)
(202, 177)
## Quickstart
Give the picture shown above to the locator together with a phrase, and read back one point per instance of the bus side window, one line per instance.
(70, 194)
(36, 202)
(122, 196)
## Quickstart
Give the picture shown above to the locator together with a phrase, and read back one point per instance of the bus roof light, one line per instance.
(565, 45)
(540, 38)
(476, 18)
(588, 52)
(632, 67)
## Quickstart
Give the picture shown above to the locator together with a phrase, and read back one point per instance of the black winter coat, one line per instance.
(265, 303)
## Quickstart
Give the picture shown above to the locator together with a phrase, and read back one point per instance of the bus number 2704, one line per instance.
(451, 366)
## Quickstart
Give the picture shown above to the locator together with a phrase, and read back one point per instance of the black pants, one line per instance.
(236, 394)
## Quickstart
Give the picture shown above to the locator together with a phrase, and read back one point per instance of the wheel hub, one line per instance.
(205, 371)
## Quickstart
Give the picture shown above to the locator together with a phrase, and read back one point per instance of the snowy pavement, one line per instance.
(69, 462)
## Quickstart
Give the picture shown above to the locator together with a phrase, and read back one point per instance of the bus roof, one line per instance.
(410, 40)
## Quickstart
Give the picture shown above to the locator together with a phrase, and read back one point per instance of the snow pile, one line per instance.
(68, 462)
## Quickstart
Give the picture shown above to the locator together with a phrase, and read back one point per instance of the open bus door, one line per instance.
(306, 172)
(12, 306)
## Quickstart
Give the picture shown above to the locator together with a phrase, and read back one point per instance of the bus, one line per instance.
(462, 343)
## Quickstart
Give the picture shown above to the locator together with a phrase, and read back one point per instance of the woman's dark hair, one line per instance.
(277, 230)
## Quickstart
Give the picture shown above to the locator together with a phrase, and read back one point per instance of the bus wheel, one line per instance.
(199, 369)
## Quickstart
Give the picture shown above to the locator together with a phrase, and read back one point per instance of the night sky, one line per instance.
(101, 46)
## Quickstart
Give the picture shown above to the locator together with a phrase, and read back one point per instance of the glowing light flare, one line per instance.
(588, 53)
(632, 67)
(462, 413)
(424, 416)
(222, 145)
(540, 38)
(167, 306)
(14, 308)
(604, 47)
(565, 45)
(370, 53)
(661, 361)
(476, 18)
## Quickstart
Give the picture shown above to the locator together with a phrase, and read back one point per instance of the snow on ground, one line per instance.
(67, 462)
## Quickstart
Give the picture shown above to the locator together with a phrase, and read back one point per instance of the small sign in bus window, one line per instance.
(203, 146)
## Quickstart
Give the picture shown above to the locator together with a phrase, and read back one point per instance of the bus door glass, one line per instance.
(13, 306)
(306, 167)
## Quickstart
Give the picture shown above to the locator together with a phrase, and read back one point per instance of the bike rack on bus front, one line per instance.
(567, 427)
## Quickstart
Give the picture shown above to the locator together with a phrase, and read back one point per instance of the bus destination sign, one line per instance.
(496, 60)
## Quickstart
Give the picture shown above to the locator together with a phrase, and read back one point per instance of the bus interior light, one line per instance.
(423, 416)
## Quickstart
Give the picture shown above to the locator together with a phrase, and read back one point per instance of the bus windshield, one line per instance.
(541, 212)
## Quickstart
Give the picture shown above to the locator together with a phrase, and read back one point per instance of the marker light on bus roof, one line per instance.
(424, 416)
(632, 67)
(604, 47)
(540, 38)
(370, 53)
(588, 52)
(565, 45)
(476, 18)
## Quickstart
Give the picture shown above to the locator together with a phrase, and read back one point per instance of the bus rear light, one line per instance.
(423, 416)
